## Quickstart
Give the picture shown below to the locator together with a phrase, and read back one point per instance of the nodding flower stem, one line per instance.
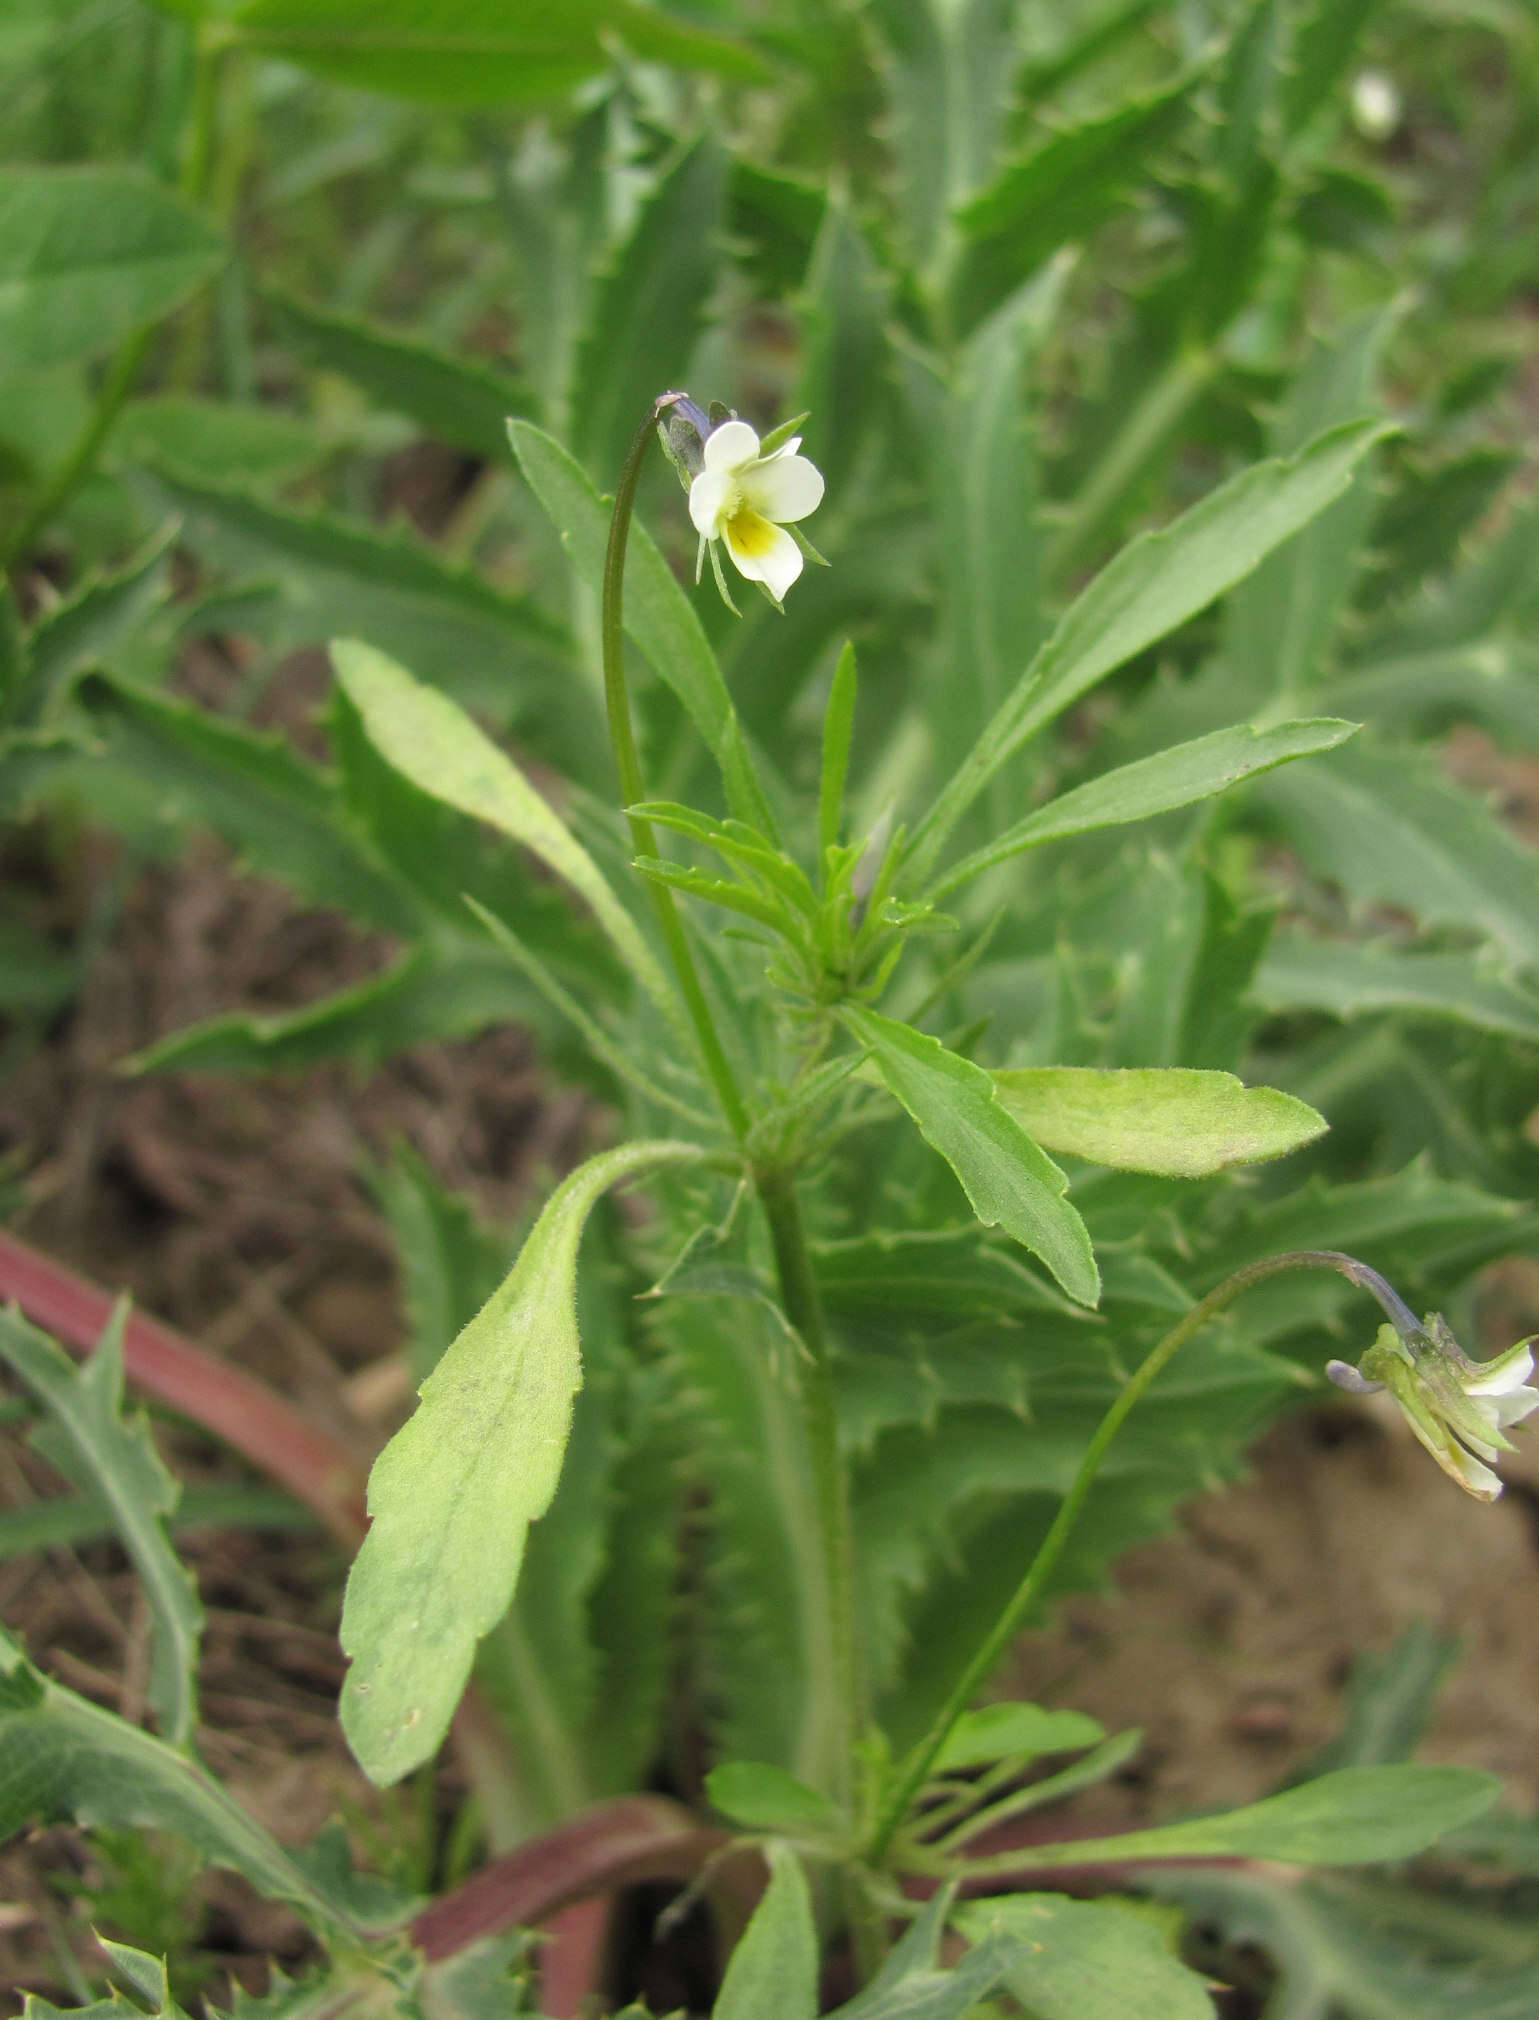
(1029, 1592)
(632, 790)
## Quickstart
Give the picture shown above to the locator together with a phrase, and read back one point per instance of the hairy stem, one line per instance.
(632, 789)
(1030, 1590)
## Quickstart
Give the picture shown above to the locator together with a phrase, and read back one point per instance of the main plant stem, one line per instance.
(773, 1183)
(1029, 1592)
(633, 792)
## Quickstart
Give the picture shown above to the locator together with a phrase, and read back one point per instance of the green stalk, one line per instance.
(633, 791)
(1029, 1592)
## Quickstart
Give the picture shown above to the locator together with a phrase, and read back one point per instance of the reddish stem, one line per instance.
(158, 1362)
(572, 1956)
(611, 1845)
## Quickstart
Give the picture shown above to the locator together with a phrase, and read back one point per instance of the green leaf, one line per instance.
(658, 615)
(843, 332)
(432, 741)
(282, 814)
(83, 630)
(217, 439)
(458, 400)
(87, 255)
(1336, 1961)
(1177, 777)
(1388, 1703)
(648, 309)
(115, 1461)
(146, 1974)
(1178, 1121)
(1007, 1178)
(773, 1972)
(331, 578)
(838, 727)
(70, 1519)
(763, 1797)
(1393, 829)
(912, 1986)
(983, 463)
(1279, 627)
(1006, 1731)
(1348, 979)
(1155, 584)
(453, 1493)
(1356, 1816)
(1323, 46)
(478, 52)
(1085, 1960)
(429, 992)
(1063, 190)
(68, 1760)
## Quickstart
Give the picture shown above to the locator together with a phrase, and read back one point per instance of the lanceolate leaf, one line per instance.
(773, 1972)
(1348, 979)
(85, 628)
(1393, 829)
(460, 400)
(1179, 1121)
(1084, 1960)
(117, 1465)
(1008, 1179)
(435, 744)
(331, 577)
(477, 52)
(67, 1759)
(1356, 1816)
(453, 1493)
(89, 254)
(1155, 584)
(658, 615)
(1172, 778)
(648, 309)
(1061, 191)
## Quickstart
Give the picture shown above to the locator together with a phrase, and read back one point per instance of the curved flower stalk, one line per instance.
(1459, 1409)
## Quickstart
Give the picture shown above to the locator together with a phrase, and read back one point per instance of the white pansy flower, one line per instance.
(747, 501)
(1460, 1409)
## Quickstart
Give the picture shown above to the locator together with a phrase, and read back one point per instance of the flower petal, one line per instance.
(763, 552)
(730, 446)
(784, 488)
(1515, 1406)
(1503, 1375)
(708, 499)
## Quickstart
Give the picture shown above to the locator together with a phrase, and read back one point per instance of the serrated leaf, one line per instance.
(478, 52)
(647, 310)
(454, 1491)
(1179, 1121)
(1061, 190)
(68, 1759)
(911, 1984)
(281, 813)
(1332, 1960)
(1155, 584)
(432, 742)
(1178, 777)
(1393, 829)
(84, 629)
(429, 992)
(332, 577)
(217, 439)
(1008, 1731)
(1349, 979)
(459, 400)
(115, 1461)
(657, 613)
(146, 1974)
(1007, 1178)
(1084, 1960)
(773, 1972)
(1355, 1816)
(763, 1797)
(87, 255)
